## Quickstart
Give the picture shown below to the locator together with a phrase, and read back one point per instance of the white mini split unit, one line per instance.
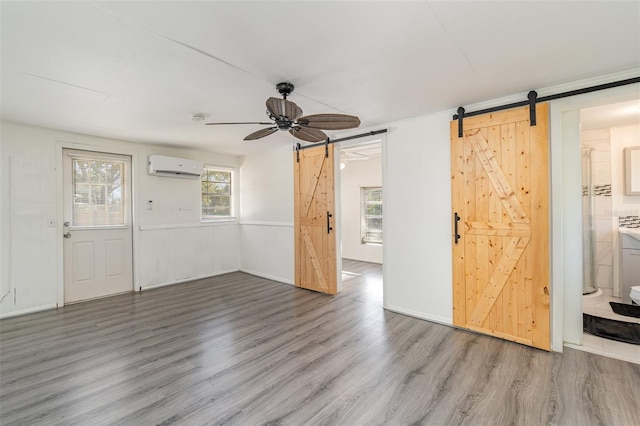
(159, 165)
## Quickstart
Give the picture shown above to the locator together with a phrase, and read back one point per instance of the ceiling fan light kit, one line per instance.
(287, 116)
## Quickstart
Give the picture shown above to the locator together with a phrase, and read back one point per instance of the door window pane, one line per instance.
(98, 197)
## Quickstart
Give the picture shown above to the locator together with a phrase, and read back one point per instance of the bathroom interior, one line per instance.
(610, 159)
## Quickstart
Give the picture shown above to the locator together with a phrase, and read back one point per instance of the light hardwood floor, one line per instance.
(238, 349)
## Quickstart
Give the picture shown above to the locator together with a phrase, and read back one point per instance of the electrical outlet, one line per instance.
(150, 205)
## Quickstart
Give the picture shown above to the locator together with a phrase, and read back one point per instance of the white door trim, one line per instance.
(60, 146)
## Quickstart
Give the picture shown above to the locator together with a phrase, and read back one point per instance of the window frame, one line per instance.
(73, 155)
(364, 229)
(221, 218)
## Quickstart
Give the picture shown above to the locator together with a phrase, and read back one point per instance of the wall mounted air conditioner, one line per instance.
(159, 165)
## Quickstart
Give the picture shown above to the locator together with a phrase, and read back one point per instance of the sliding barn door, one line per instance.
(500, 188)
(315, 242)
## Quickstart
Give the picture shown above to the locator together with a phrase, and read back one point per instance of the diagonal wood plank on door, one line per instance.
(313, 257)
(512, 253)
(313, 185)
(497, 178)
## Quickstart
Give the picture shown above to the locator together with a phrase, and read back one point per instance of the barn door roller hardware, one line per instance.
(533, 95)
(460, 118)
(533, 99)
(346, 138)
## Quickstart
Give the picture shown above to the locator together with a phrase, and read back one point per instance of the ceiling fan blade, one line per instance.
(261, 133)
(329, 121)
(238, 122)
(307, 134)
(283, 108)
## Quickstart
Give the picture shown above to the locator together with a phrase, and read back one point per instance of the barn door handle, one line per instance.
(456, 219)
(329, 228)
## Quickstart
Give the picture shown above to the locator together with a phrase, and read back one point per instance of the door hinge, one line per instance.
(329, 228)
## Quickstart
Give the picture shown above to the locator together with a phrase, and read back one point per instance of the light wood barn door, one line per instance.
(500, 192)
(315, 242)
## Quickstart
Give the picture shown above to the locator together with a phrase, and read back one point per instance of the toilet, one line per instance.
(635, 294)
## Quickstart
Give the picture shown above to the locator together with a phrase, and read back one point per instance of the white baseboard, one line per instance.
(267, 276)
(200, 277)
(28, 311)
(419, 315)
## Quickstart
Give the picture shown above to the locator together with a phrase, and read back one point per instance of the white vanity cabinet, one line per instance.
(629, 262)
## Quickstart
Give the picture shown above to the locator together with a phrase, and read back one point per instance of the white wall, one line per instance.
(355, 175)
(170, 243)
(29, 248)
(417, 210)
(266, 221)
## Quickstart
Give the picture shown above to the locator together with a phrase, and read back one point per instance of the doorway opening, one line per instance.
(607, 211)
(360, 237)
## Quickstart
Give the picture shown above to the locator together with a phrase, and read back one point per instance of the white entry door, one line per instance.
(97, 233)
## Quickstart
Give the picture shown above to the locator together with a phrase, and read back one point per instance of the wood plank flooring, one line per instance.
(241, 350)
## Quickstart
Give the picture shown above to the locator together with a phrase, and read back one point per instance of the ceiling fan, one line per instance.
(287, 116)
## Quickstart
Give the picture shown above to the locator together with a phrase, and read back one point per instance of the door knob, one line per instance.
(67, 235)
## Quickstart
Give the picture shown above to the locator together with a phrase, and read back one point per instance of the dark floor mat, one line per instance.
(621, 331)
(626, 309)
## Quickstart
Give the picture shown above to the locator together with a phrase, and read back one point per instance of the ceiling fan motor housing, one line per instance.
(284, 124)
(284, 89)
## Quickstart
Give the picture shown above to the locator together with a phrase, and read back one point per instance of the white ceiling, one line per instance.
(614, 115)
(139, 70)
(361, 152)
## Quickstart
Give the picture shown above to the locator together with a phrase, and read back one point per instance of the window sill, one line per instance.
(221, 221)
(188, 225)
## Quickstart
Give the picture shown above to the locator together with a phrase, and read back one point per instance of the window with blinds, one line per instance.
(98, 192)
(371, 215)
